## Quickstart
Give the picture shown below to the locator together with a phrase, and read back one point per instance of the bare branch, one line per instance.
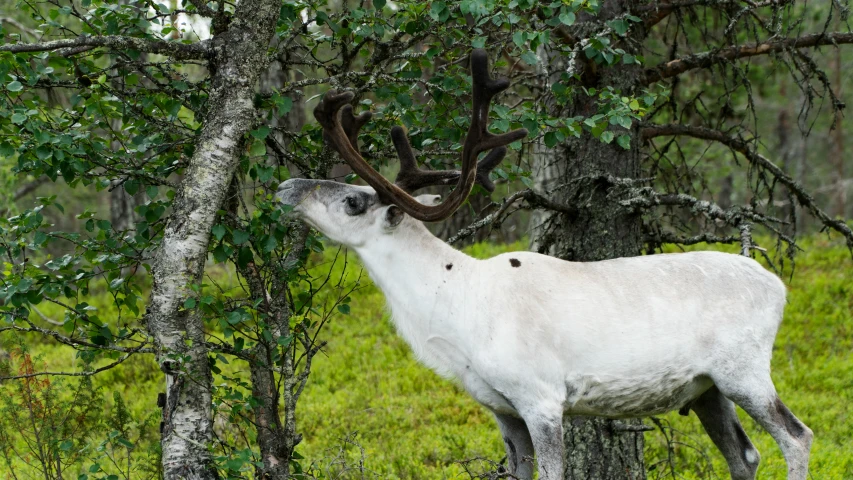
(178, 51)
(534, 201)
(668, 237)
(744, 148)
(74, 374)
(646, 198)
(74, 342)
(707, 59)
(655, 12)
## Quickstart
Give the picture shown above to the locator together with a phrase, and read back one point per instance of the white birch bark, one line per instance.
(238, 56)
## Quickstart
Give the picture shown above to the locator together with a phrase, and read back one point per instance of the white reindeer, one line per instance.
(532, 337)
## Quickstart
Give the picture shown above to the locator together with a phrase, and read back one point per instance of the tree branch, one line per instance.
(656, 12)
(534, 201)
(178, 51)
(87, 373)
(203, 9)
(707, 59)
(661, 238)
(742, 147)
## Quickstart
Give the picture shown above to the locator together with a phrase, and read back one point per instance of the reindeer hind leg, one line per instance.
(718, 417)
(757, 396)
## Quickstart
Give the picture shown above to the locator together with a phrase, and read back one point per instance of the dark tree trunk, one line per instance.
(579, 173)
(123, 214)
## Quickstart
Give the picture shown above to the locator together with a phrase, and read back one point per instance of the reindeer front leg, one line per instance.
(519, 447)
(546, 431)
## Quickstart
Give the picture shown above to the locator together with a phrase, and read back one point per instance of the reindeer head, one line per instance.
(347, 214)
(351, 214)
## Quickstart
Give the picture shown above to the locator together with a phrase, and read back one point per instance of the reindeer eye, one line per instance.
(355, 205)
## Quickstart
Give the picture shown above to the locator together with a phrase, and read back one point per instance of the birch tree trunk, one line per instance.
(238, 57)
(575, 173)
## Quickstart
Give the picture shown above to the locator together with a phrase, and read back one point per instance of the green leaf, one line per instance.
(261, 133)
(14, 86)
(151, 192)
(44, 152)
(6, 150)
(19, 118)
(620, 26)
(221, 253)
(239, 237)
(624, 141)
(189, 303)
(567, 18)
(218, 232)
(529, 58)
(284, 106)
(379, 4)
(245, 257)
(344, 308)
(270, 244)
(258, 149)
(518, 38)
(131, 186)
(550, 139)
(264, 173)
(624, 121)
(66, 445)
(607, 136)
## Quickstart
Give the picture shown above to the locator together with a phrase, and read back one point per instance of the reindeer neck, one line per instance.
(409, 260)
(422, 277)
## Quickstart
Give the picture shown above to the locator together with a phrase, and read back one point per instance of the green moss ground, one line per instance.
(411, 423)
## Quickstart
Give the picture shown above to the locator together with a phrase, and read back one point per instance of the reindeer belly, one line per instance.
(484, 393)
(634, 396)
(446, 358)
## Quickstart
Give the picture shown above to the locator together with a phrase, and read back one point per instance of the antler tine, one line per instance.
(342, 138)
(352, 124)
(411, 178)
(484, 89)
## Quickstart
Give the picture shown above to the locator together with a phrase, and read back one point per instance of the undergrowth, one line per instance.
(369, 400)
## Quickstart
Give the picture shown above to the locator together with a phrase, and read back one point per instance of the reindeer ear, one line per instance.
(393, 216)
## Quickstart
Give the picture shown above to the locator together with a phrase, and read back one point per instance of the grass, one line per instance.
(410, 423)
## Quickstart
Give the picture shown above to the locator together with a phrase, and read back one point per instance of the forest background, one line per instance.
(730, 114)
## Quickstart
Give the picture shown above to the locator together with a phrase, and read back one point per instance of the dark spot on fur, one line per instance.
(792, 424)
(514, 262)
(448, 266)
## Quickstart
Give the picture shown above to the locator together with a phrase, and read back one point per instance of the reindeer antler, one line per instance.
(341, 131)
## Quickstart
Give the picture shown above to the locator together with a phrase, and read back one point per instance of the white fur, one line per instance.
(619, 338)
